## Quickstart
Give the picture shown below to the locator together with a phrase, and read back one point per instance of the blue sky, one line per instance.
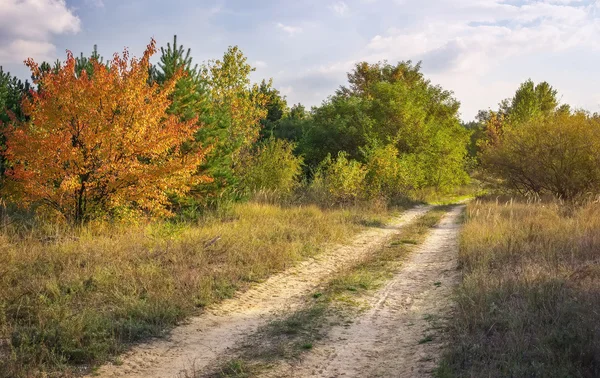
(480, 49)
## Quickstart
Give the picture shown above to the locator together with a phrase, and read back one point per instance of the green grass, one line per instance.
(435, 197)
(73, 297)
(528, 304)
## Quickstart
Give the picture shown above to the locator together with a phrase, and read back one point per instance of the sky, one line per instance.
(479, 49)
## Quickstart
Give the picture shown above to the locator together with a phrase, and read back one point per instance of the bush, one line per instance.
(556, 155)
(384, 173)
(339, 181)
(272, 168)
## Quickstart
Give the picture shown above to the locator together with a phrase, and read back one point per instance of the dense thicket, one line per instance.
(227, 106)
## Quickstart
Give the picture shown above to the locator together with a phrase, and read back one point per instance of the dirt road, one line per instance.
(399, 335)
(198, 343)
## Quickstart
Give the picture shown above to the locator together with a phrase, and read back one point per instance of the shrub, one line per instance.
(339, 181)
(384, 173)
(273, 168)
(555, 155)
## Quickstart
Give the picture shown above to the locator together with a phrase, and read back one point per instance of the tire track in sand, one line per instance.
(203, 338)
(397, 336)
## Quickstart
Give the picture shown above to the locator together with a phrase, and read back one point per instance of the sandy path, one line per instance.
(200, 341)
(390, 339)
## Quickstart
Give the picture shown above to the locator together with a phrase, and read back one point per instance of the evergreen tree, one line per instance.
(12, 91)
(232, 122)
(228, 110)
(83, 63)
(190, 97)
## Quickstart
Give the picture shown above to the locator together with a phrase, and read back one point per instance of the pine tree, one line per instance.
(83, 63)
(228, 107)
(277, 108)
(189, 98)
(12, 91)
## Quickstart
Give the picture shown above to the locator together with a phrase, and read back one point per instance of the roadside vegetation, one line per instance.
(528, 303)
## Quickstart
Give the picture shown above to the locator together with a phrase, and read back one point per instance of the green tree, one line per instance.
(339, 181)
(335, 126)
(531, 101)
(190, 95)
(86, 64)
(277, 108)
(12, 91)
(82, 63)
(384, 172)
(298, 111)
(232, 121)
(393, 104)
(229, 110)
(293, 125)
(272, 167)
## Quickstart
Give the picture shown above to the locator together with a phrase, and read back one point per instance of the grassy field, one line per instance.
(72, 298)
(529, 303)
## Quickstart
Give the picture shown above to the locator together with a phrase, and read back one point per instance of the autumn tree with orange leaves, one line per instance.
(101, 140)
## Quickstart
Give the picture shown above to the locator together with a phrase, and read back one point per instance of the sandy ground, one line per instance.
(399, 336)
(194, 345)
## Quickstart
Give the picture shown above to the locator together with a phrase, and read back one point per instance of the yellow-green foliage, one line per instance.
(528, 303)
(339, 180)
(556, 155)
(77, 296)
(384, 172)
(273, 167)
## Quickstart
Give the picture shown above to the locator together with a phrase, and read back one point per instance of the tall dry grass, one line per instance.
(529, 303)
(77, 297)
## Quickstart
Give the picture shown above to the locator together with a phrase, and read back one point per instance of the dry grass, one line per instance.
(529, 302)
(72, 298)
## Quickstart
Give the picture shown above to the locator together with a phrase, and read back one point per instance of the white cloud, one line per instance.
(479, 42)
(340, 8)
(335, 68)
(291, 30)
(28, 26)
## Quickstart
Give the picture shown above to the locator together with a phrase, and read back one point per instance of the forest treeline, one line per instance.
(93, 138)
